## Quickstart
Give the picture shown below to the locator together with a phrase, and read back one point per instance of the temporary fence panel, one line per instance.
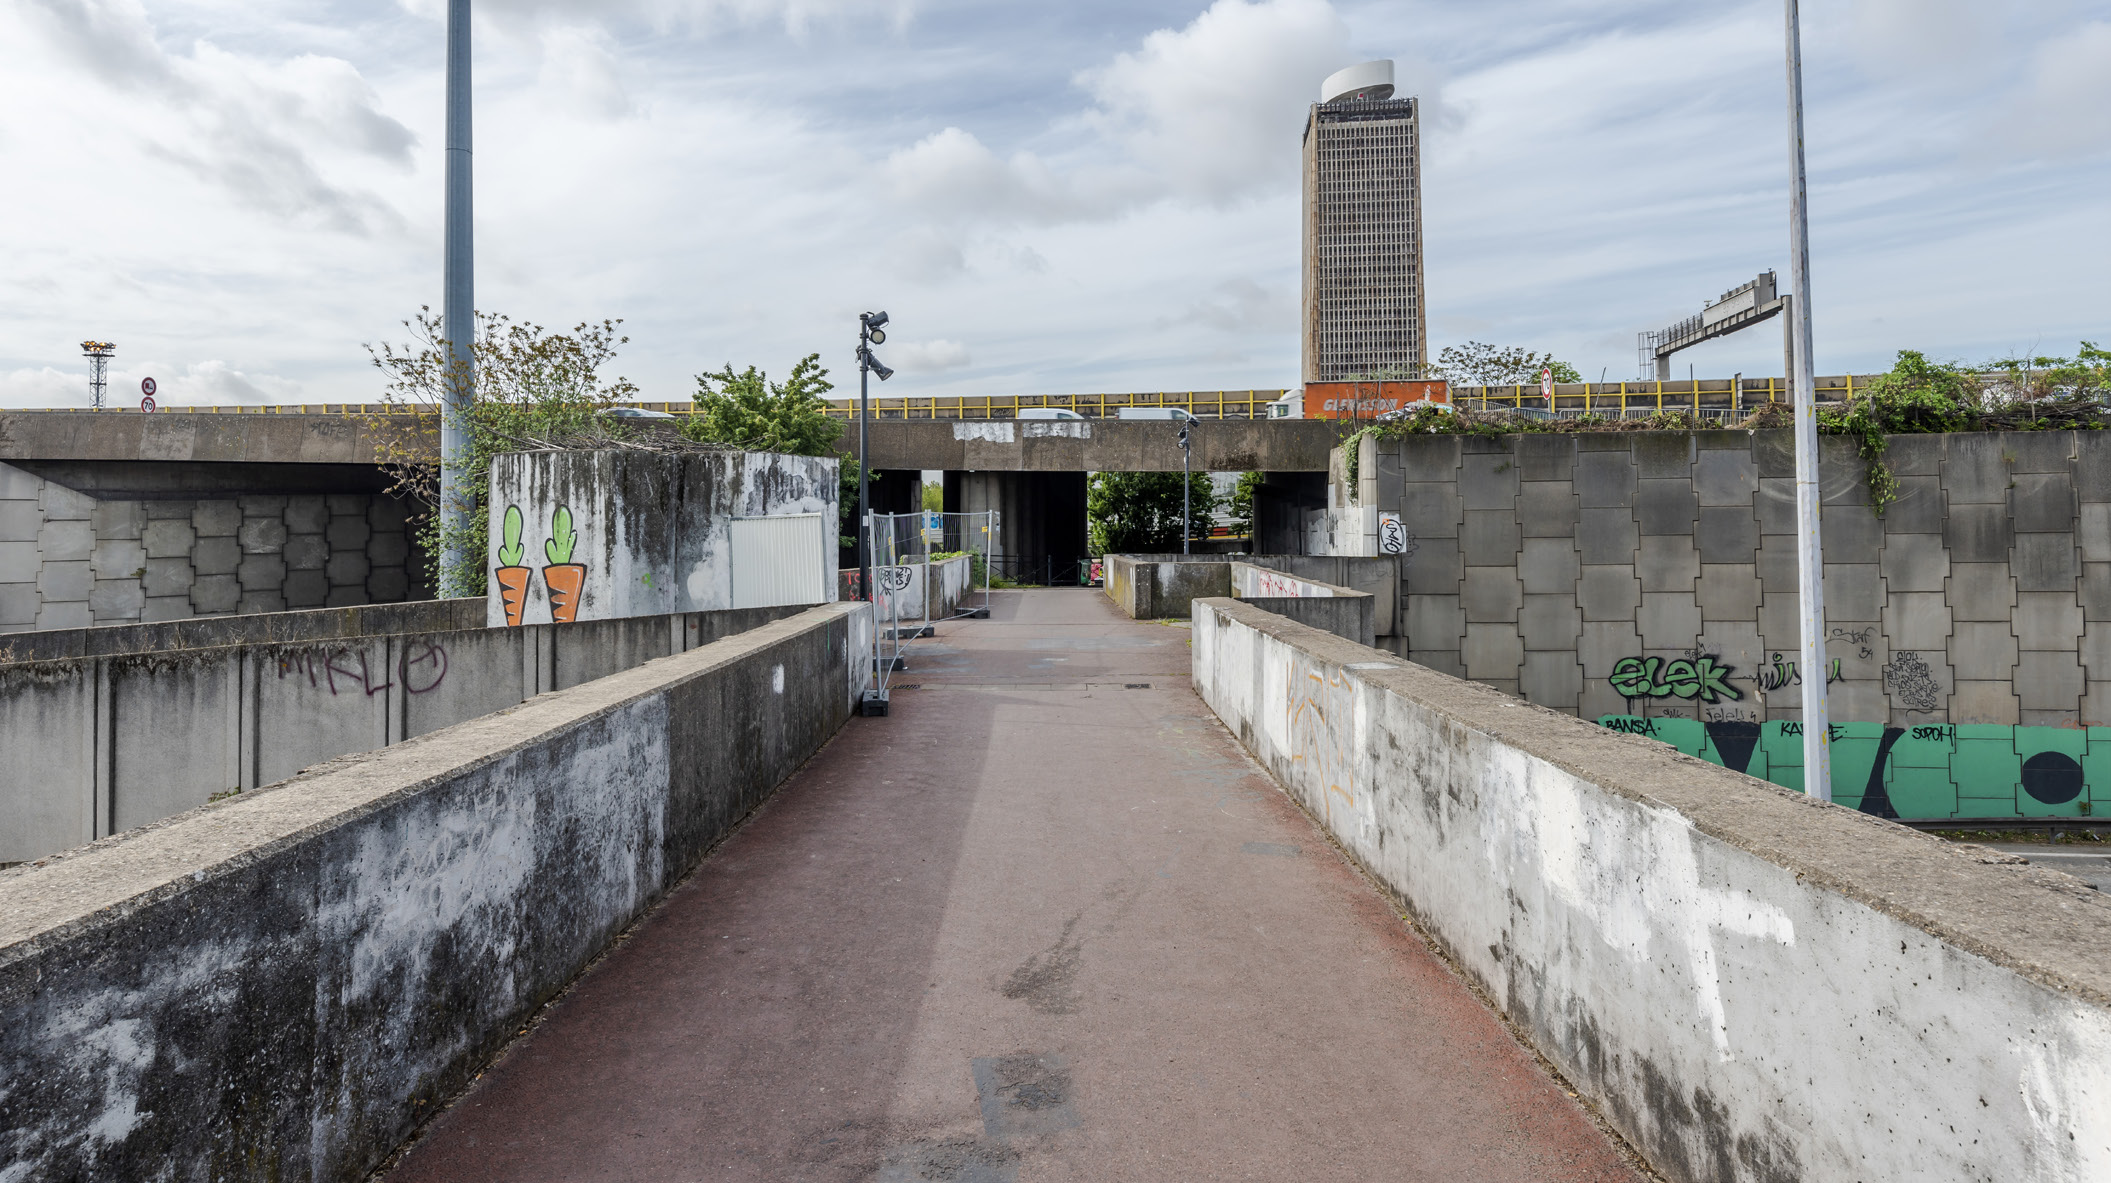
(780, 560)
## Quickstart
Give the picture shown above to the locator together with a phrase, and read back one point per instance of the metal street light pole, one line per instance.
(1810, 554)
(458, 307)
(864, 450)
(1187, 487)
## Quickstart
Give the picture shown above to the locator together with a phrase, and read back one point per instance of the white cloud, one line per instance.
(2063, 108)
(927, 357)
(1207, 110)
(262, 131)
(581, 61)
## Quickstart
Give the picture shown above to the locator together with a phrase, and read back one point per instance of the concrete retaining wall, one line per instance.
(69, 559)
(107, 742)
(648, 533)
(1538, 564)
(1343, 611)
(280, 985)
(1160, 586)
(1748, 984)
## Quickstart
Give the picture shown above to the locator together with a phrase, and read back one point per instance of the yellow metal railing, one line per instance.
(1208, 404)
(1712, 397)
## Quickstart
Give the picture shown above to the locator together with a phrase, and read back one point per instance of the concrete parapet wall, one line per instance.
(116, 739)
(282, 985)
(1160, 586)
(321, 624)
(1343, 611)
(1748, 984)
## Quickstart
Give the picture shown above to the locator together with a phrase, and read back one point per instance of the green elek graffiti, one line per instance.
(1653, 677)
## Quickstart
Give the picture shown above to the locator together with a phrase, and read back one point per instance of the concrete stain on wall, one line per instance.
(1319, 709)
(1935, 770)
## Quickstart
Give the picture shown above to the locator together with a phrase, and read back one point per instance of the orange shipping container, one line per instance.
(1368, 400)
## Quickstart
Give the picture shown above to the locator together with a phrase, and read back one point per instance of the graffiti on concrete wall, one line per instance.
(1784, 673)
(1697, 678)
(1320, 716)
(1963, 770)
(512, 577)
(422, 668)
(1911, 683)
(562, 578)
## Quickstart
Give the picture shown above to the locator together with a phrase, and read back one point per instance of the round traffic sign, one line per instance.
(147, 404)
(147, 387)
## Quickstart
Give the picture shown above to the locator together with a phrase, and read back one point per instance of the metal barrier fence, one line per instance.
(1607, 399)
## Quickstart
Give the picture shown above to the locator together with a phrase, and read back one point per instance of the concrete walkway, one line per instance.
(1045, 922)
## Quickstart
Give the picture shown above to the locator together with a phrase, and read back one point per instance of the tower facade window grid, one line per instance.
(1363, 307)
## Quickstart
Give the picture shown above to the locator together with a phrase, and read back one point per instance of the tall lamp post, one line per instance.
(458, 307)
(1187, 487)
(1810, 569)
(870, 333)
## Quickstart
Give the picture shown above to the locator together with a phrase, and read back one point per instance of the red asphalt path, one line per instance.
(1034, 925)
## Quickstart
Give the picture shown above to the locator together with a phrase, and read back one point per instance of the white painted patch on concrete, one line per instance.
(983, 431)
(777, 679)
(1069, 429)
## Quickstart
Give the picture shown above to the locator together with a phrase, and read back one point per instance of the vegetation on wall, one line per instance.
(1917, 395)
(1139, 512)
(532, 387)
(748, 411)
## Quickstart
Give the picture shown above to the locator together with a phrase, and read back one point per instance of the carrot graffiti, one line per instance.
(563, 577)
(512, 577)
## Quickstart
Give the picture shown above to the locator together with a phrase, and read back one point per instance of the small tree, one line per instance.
(747, 410)
(531, 386)
(1477, 363)
(1139, 512)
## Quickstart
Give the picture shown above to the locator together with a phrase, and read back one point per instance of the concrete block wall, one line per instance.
(1654, 574)
(68, 560)
(1748, 984)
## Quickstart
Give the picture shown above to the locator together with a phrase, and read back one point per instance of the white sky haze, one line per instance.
(1094, 195)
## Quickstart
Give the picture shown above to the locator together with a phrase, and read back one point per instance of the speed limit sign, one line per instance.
(147, 388)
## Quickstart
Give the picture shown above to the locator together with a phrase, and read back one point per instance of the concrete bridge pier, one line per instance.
(1040, 519)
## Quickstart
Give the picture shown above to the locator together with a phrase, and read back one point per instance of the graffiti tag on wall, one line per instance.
(421, 669)
(1702, 679)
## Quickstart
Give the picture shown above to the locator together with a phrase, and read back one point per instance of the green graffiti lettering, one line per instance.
(1679, 680)
(1632, 677)
(1713, 687)
(1690, 678)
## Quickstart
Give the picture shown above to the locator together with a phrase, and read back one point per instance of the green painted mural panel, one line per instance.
(1929, 771)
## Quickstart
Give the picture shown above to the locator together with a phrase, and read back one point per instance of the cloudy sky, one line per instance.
(1091, 195)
